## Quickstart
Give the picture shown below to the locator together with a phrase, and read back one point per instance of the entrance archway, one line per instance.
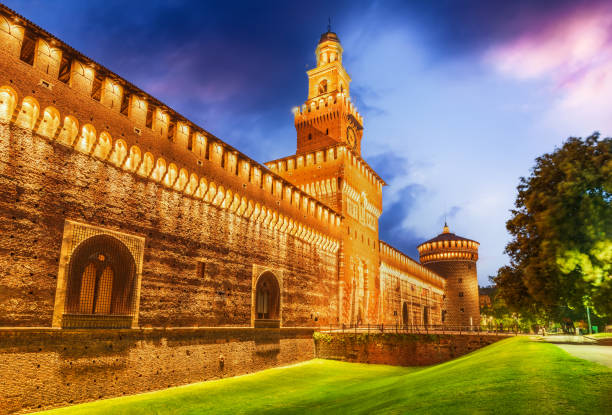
(405, 314)
(426, 315)
(267, 301)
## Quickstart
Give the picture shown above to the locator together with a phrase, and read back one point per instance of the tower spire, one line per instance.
(329, 24)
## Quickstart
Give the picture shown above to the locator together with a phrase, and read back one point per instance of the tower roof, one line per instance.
(446, 235)
(329, 36)
(448, 247)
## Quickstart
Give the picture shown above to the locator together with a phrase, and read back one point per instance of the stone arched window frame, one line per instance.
(261, 273)
(122, 254)
(97, 257)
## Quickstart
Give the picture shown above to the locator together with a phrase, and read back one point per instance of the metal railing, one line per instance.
(417, 329)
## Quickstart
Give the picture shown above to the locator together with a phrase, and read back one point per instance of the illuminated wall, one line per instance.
(80, 143)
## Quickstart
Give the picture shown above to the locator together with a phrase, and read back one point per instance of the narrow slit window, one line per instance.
(201, 269)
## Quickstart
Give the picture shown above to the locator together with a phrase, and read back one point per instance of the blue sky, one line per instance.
(458, 97)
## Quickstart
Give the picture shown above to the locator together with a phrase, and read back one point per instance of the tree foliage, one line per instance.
(561, 227)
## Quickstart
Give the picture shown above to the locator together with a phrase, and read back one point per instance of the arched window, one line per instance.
(267, 298)
(101, 285)
(96, 286)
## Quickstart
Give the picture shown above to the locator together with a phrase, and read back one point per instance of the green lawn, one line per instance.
(510, 377)
(600, 335)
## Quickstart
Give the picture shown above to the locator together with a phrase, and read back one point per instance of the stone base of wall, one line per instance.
(45, 368)
(398, 349)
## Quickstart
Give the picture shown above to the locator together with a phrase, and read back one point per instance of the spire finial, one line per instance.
(445, 230)
(329, 24)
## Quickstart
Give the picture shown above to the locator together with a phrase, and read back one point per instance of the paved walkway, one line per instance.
(597, 354)
(566, 339)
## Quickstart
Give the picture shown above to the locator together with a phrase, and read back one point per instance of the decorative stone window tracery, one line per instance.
(99, 278)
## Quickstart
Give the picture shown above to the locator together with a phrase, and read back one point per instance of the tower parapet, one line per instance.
(323, 106)
(454, 258)
(448, 247)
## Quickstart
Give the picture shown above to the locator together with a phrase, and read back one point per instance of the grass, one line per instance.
(512, 376)
(600, 335)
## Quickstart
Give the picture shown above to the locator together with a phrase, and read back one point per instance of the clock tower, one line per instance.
(328, 166)
(328, 116)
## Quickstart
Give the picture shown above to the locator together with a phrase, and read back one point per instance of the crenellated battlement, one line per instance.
(448, 247)
(331, 106)
(320, 157)
(120, 124)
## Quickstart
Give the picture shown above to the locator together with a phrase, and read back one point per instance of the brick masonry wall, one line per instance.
(44, 183)
(398, 349)
(47, 368)
(461, 277)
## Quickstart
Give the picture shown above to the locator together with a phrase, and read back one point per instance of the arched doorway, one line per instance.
(267, 301)
(101, 286)
(405, 314)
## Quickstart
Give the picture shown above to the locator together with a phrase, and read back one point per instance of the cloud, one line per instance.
(570, 55)
(393, 226)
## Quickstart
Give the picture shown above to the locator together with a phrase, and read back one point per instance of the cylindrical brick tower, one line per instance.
(454, 258)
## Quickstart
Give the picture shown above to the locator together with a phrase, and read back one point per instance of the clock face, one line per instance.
(351, 137)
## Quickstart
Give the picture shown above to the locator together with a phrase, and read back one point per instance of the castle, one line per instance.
(117, 212)
(139, 251)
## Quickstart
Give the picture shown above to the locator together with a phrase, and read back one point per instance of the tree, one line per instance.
(561, 227)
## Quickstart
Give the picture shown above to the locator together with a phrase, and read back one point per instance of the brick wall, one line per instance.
(398, 349)
(47, 368)
(462, 304)
(44, 183)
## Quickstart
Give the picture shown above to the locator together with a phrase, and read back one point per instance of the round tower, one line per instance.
(454, 258)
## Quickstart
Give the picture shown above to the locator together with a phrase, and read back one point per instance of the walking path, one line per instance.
(567, 339)
(597, 354)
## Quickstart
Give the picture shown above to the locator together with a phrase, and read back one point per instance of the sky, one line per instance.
(458, 97)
